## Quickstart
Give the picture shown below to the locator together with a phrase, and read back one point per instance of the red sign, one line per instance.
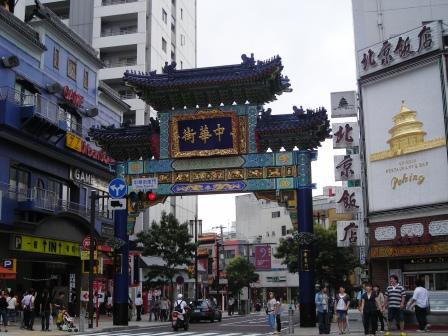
(72, 97)
(263, 257)
(86, 243)
(95, 154)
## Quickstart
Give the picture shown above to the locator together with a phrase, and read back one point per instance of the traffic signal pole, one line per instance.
(93, 198)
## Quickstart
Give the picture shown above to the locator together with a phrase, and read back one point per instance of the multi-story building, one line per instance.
(402, 78)
(263, 222)
(135, 35)
(50, 96)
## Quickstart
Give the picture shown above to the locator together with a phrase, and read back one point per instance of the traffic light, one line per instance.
(150, 196)
(137, 200)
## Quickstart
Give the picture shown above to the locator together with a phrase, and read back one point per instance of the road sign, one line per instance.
(117, 203)
(86, 243)
(85, 255)
(118, 188)
(147, 183)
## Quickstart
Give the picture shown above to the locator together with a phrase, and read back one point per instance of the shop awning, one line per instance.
(150, 261)
(6, 274)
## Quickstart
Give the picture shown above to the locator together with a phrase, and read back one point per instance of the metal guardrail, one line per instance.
(116, 64)
(118, 32)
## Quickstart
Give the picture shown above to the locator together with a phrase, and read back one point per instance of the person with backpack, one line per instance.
(28, 306)
(180, 306)
(341, 305)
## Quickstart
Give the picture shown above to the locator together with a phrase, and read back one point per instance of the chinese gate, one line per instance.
(211, 136)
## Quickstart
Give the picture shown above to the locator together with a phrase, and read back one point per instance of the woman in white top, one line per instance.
(12, 303)
(139, 306)
(341, 304)
(421, 300)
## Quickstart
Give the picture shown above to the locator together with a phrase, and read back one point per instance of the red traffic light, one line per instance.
(151, 196)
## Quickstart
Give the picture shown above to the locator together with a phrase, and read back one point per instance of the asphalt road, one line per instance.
(252, 325)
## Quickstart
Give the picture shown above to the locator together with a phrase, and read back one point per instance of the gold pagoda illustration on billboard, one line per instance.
(407, 136)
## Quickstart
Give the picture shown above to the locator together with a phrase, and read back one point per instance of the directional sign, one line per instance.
(118, 188)
(117, 203)
(144, 184)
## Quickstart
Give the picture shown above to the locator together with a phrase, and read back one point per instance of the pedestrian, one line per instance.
(230, 304)
(278, 316)
(45, 310)
(12, 306)
(139, 306)
(380, 304)
(368, 310)
(270, 310)
(4, 309)
(341, 304)
(394, 301)
(321, 300)
(27, 306)
(157, 310)
(152, 308)
(362, 290)
(164, 307)
(420, 299)
(109, 304)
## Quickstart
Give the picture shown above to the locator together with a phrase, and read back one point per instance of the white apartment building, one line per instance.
(265, 222)
(138, 35)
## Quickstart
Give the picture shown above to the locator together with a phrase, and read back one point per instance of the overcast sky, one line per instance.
(315, 42)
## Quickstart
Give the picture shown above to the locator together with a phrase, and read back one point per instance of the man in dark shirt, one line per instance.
(4, 309)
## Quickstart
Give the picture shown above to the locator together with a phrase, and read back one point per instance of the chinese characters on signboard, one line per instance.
(204, 134)
(400, 48)
(306, 260)
(348, 200)
(263, 257)
(345, 135)
(350, 233)
(347, 167)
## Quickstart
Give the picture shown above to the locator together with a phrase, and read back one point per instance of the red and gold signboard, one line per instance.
(409, 250)
(78, 144)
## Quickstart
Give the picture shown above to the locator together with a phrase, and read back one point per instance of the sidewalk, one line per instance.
(356, 328)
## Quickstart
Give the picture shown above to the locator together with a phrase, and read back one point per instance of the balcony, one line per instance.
(116, 2)
(115, 31)
(46, 201)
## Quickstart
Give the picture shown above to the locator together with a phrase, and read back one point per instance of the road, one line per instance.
(252, 325)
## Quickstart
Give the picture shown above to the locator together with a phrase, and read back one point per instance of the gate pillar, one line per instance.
(121, 270)
(306, 239)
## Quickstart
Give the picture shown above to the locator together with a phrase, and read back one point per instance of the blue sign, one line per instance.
(118, 188)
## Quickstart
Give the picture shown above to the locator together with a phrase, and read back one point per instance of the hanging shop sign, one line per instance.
(343, 104)
(348, 200)
(80, 145)
(400, 48)
(45, 245)
(347, 167)
(263, 257)
(204, 134)
(72, 97)
(350, 233)
(345, 135)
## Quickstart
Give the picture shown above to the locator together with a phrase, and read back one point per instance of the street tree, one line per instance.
(170, 241)
(333, 264)
(240, 273)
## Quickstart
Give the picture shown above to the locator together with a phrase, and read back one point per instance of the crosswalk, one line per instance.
(167, 333)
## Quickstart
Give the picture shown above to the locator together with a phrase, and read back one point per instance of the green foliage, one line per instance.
(240, 273)
(333, 264)
(170, 241)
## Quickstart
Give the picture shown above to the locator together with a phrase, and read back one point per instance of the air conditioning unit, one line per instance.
(54, 88)
(10, 62)
(93, 112)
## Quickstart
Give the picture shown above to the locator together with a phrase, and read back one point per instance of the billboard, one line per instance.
(263, 257)
(406, 153)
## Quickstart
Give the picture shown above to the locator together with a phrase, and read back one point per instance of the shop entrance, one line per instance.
(434, 280)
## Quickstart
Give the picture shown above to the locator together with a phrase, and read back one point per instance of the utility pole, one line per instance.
(248, 285)
(93, 198)
(218, 256)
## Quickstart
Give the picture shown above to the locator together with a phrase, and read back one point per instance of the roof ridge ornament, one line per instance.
(248, 61)
(169, 68)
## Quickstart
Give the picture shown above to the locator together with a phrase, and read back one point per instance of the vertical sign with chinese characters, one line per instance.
(350, 233)
(400, 48)
(347, 167)
(348, 200)
(306, 260)
(345, 135)
(343, 104)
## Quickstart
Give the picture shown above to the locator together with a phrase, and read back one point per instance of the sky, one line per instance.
(315, 41)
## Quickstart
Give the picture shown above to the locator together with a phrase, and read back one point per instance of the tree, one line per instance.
(240, 273)
(333, 264)
(170, 241)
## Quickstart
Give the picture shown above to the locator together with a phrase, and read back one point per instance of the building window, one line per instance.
(164, 16)
(273, 234)
(284, 230)
(229, 254)
(182, 39)
(181, 65)
(85, 80)
(56, 58)
(267, 234)
(18, 183)
(275, 214)
(73, 122)
(181, 13)
(163, 44)
(71, 69)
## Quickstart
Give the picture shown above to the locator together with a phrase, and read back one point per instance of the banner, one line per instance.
(263, 257)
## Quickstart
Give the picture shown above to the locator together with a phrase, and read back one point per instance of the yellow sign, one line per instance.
(47, 246)
(73, 141)
(85, 255)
